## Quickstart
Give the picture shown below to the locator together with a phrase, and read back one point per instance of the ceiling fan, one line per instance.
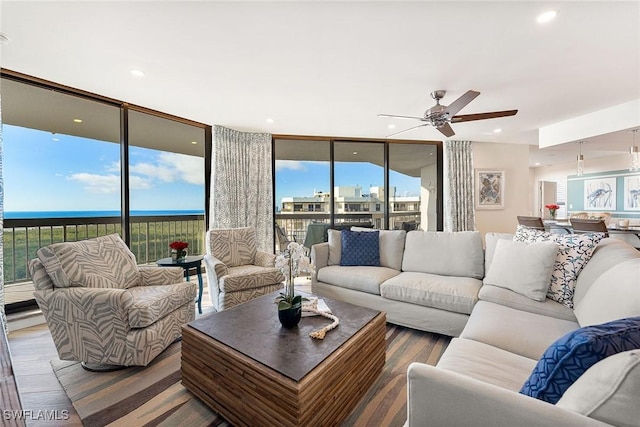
(439, 116)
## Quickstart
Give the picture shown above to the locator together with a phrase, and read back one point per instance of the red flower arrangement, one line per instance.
(552, 207)
(178, 245)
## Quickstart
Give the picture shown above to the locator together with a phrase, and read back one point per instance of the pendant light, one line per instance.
(634, 155)
(580, 160)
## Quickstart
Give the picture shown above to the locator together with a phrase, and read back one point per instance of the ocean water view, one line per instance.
(85, 214)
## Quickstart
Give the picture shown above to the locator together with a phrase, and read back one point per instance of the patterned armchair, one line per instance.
(103, 309)
(236, 270)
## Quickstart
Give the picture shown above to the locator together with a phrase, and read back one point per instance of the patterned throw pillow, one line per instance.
(360, 248)
(574, 250)
(572, 354)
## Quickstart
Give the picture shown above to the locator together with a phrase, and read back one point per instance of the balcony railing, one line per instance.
(150, 237)
(295, 225)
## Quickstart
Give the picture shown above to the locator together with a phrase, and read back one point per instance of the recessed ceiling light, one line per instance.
(136, 72)
(355, 152)
(497, 130)
(536, 164)
(194, 142)
(547, 16)
(391, 126)
(4, 39)
(77, 120)
(269, 120)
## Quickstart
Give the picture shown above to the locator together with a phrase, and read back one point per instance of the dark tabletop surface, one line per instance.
(187, 260)
(253, 329)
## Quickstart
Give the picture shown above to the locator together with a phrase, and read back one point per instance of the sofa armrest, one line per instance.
(74, 315)
(215, 268)
(320, 255)
(150, 275)
(265, 259)
(439, 397)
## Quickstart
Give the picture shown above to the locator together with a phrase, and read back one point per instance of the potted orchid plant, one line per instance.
(291, 262)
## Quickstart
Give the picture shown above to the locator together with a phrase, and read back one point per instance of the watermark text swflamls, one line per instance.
(42, 415)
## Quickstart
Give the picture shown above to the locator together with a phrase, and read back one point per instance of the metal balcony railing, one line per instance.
(150, 237)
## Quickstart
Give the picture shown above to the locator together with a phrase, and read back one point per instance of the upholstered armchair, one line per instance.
(103, 309)
(236, 270)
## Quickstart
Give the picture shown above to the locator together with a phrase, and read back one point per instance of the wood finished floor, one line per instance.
(31, 351)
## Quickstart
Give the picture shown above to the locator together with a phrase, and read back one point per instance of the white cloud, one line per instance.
(98, 184)
(169, 167)
(295, 165)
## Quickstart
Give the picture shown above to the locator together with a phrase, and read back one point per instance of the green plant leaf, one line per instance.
(296, 300)
(283, 305)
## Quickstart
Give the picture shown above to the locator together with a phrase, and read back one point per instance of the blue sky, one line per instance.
(45, 172)
(300, 179)
(73, 173)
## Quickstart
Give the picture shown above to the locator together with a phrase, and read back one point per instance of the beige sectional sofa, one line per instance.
(505, 337)
(426, 280)
(499, 342)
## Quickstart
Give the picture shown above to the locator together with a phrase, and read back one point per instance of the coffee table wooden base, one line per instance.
(246, 392)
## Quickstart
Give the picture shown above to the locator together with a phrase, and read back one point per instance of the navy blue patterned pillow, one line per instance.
(360, 248)
(571, 355)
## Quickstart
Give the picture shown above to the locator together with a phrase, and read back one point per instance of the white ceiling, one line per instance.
(328, 68)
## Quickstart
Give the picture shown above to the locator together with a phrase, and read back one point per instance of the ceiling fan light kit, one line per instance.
(440, 116)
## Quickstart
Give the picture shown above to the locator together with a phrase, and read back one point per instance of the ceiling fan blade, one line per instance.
(400, 117)
(407, 130)
(460, 103)
(446, 130)
(482, 116)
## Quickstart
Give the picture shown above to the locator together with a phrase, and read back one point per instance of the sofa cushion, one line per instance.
(572, 354)
(607, 254)
(360, 248)
(517, 331)
(490, 242)
(447, 253)
(365, 279)
(511, 299)
(608, 391)
(486, 363)
(522, 267)
(246, 277)
(613, 295)
(101, 262)
(335, 247)
(233, 246)
(391, 246)
(457, 294)
(152, 303)
(574, 250)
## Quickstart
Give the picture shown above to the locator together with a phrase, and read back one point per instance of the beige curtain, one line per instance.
(242, 183)
(459, 192)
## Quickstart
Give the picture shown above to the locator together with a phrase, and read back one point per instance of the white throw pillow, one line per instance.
(391, 246)
(608, 391)
(524, 268)
(490, 242)
(335, 246)
(574, 252)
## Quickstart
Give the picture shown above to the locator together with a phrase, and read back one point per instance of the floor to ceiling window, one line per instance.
(325, 182)
(64, 176)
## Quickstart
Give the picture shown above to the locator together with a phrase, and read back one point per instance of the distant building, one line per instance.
(351, 199)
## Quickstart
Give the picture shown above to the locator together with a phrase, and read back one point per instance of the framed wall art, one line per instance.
(600, 194)
(632, 193)
(489, 189)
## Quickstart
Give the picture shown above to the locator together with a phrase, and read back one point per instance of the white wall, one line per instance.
(514, 159)
(428, 179)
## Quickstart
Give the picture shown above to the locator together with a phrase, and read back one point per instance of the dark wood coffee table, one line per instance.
(245, 366)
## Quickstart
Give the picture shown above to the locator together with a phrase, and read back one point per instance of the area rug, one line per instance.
(154, 395)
